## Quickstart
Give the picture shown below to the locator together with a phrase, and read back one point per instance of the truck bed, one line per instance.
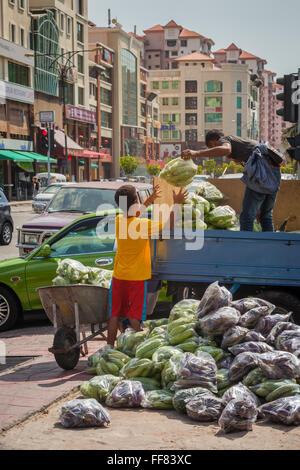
(268, 259)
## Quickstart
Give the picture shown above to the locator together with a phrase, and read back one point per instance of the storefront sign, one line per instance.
(47, 116)
(80, 114)
(168, 128)
(13, 51)
(11, 91)
(15, 144)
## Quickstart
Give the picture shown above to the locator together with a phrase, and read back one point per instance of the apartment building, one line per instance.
(132, 117)
(200, 96)
(271, 125)
(164, 44)
(16, 97)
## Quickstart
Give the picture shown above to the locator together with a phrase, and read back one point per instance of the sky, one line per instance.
(266, 28)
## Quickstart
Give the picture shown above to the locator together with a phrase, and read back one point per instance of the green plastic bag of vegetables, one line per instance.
(163, 354)
(216, 353)
(254, 377)
(190, 345)
(147, 383)
(170, 371)
(99, 387)
(266, 388)
(222, 217)
(182, 397)
(179, 172)
(138, 368)
(159, 399)
(128, 341)
(146, 349)
(152, 324)
(209, 192)
(223, 380)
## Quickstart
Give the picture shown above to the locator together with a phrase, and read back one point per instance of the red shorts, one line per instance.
(127, 299)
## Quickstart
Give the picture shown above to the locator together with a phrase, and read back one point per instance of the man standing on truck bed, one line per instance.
(262, 174)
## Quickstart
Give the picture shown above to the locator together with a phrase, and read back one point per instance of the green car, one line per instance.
(84, 240)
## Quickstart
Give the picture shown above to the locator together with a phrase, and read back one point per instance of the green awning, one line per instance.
(81, 162)
(37, 157)
(26, 166)
(16, 156)
(94, 165)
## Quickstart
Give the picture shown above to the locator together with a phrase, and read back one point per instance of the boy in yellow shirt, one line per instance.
(128, 291)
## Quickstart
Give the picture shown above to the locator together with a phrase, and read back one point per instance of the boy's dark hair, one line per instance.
(129, 192)
(214, 134)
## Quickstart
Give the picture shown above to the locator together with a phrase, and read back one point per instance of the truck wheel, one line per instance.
(9, 310)
(183, 293)
(284, 301)
(6, 234)
(64, 338)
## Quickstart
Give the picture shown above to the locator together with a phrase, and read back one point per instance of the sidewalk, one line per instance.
(33, 385)
(21, 206)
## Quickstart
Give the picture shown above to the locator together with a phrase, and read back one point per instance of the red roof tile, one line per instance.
(232, 47)
(195, 57)
(186, 33)
(220, 51)
(172, 24)
(247, 56)
(154, 29)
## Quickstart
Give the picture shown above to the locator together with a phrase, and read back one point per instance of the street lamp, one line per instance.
(64, 70)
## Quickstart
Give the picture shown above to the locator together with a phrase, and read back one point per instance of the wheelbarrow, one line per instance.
(70, 309)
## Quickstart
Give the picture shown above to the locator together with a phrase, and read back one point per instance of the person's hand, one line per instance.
(188, 154)
(156, 193)
(180, 197)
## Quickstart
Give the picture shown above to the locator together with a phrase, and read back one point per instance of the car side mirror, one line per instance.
(44, 252)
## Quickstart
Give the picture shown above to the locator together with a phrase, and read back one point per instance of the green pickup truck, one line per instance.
(80, 240)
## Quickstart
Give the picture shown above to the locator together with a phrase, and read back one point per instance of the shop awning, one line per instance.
(16, 156)
(105, 157)
(36, 157)
(94, 165)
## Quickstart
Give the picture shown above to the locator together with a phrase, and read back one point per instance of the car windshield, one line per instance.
(81, 200)
(52, 189)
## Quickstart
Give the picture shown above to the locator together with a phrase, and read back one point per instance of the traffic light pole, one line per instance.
(49, 151)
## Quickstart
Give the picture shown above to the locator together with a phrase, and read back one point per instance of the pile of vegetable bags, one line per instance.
(71, 272)
(215, 360)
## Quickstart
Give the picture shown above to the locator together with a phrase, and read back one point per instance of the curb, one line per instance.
(31, 414)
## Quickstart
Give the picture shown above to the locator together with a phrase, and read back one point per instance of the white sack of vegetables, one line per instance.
(222, 217)
(179, 172)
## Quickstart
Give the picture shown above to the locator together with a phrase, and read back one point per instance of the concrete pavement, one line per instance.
(30, 387)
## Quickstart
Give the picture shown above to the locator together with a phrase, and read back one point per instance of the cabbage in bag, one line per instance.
(159, 399)
(179, 172)
(209, 192)
(222, 217)
(99, 387)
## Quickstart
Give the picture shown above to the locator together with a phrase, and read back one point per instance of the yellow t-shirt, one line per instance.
(133, 257)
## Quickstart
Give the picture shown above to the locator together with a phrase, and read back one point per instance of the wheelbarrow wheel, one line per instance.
(63, 339)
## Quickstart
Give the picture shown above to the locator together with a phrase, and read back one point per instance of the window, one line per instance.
(165, 101)
(155, 85)
(165, 85)
(167, 54)
(62, 21)
(191, 135)
(239, 86)
(22, 37)
(213, 117)
(166, 135)
(80, 64)
(155, 114)
(105, 119)
(80, 32)
(239, 125)
(213, 101)
(22, 4)
(157, 55)
(171, 43)
(18, 74)
(165, 118)
(79, 7)
(213, 86)
(175, 101)
(239, 102)
(175, 118)
(88, 236)
(80, 96)
(68, 25)
(174, 53)
(13, 33)
(143, 90)
(191, 119)
(175, 135)
(93, 90)
(175, 85)
(191, 86)
(191, 102)
(174, 65)
(149, 56)
(143, 109)
(183, 43)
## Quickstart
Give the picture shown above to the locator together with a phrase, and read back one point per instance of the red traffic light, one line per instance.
(69, 159)
(45, 133)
